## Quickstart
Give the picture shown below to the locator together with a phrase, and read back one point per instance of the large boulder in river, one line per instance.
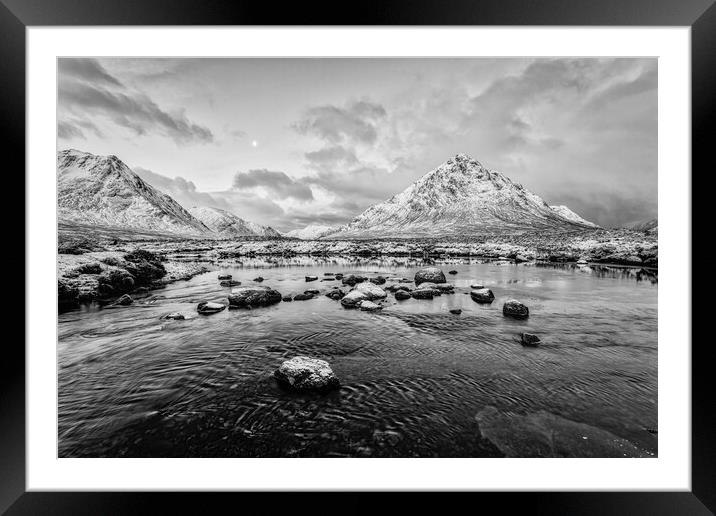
(352, 279)
(252, 297)
(306, 374)
(352, 298)
(431, 274)
(371, 291)
(209, 307)
(515, 309)
(303, 297)
(482, 295)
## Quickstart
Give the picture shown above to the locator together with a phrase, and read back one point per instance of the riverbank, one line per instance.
(112, 275)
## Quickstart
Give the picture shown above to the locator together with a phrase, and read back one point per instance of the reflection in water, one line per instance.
(416, 379)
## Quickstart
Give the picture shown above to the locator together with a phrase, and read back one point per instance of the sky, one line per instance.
(289, 142)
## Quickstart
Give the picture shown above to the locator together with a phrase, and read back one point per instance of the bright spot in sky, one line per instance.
(254, 143)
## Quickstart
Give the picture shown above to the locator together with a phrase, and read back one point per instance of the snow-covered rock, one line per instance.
(458, 198)
(226, 224)
(103, 191)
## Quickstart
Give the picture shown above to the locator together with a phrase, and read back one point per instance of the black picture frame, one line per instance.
(17, 15)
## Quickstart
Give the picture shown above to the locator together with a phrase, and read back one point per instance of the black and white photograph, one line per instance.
(399, 257)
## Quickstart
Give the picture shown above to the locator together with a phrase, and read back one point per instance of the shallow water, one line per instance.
(416, 379)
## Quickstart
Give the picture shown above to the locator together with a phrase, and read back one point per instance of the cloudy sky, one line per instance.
(287, 142)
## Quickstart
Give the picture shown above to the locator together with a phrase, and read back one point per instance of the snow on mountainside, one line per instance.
(458, 198)
(226, 224)
(568, 214)
(103, 191)
(313, 232)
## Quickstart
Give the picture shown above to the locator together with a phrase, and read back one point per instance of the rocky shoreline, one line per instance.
(617, 247)
(103, 271)
(108, 277)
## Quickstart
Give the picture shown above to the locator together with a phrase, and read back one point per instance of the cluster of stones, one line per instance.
(303, 373)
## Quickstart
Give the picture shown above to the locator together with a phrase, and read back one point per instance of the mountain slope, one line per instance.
(568, 214)
(313, 232)
(458, 198)
(226, 224)
(102, 190)
(651, 226)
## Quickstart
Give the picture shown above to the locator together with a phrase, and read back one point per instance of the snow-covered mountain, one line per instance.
(458, 198)
(226, 224)
(313, 232)
(568, 214)
(103, 191)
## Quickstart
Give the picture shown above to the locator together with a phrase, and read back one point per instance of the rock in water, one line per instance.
(513, 308)
(482, 295)
(402, 294)
(225, 277)
(371, 291)
(311, 278)
(251, 297)
(530, 339)
(175, 315)
(351, 279)
(369, 306)
(230, 283)
(452, 272)
(431, 274)
(312, 291)
(306, 374)
(125, 300)
(352, 298)
(259, 279)
(287, 299)
(477, 286)
(302, 297)
(336, 294)
(423, 293)
(378, 280)
(456, 311)
(208, 307)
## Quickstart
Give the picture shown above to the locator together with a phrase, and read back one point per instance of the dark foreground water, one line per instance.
(416, 379)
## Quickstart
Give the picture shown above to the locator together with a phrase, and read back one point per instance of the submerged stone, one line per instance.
(530, 339)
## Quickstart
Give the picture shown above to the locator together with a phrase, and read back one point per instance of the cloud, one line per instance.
(181, 190)
(278, 183)
(89, 70)
(67, 131)
(87, 89)
(565, 128)
(356, 121)
(72, 128)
